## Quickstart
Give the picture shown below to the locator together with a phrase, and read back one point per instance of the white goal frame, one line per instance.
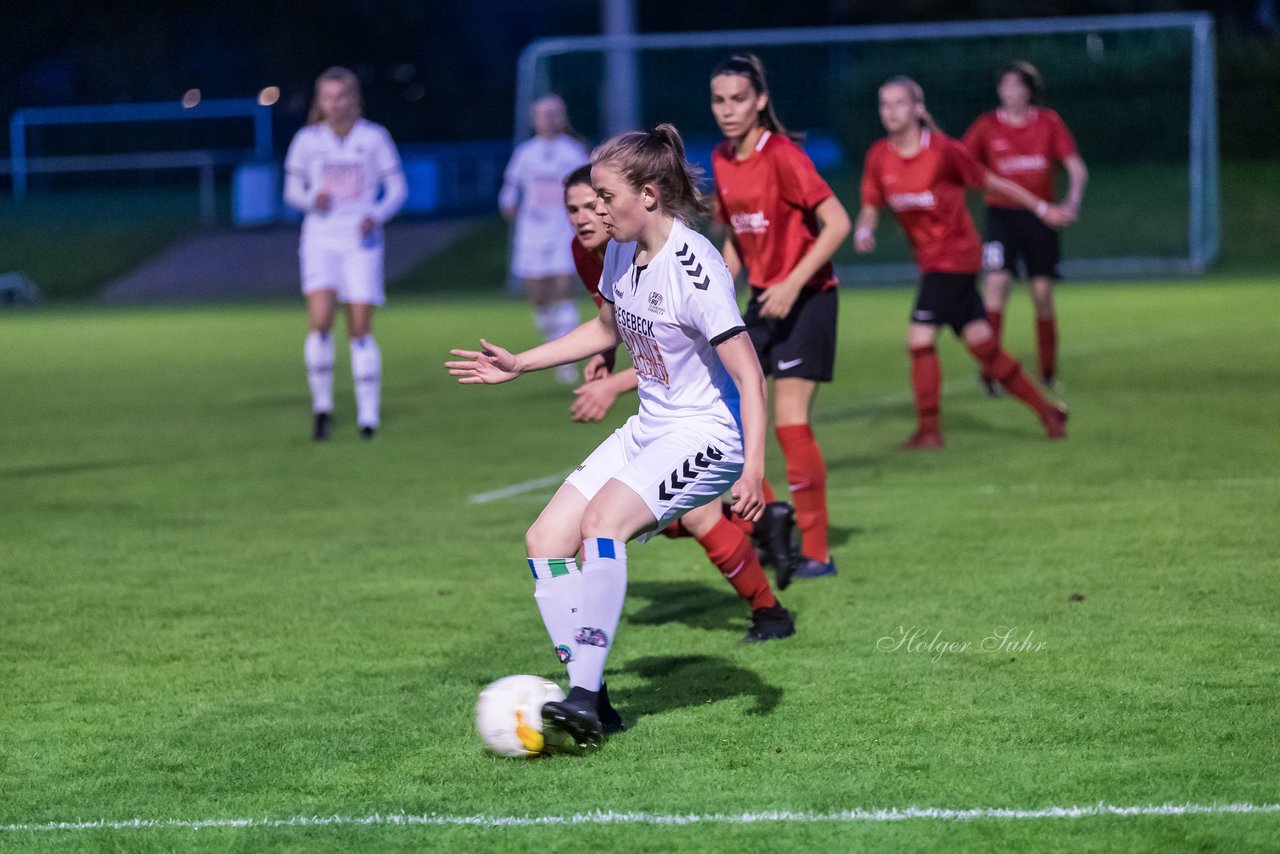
(1204, 221)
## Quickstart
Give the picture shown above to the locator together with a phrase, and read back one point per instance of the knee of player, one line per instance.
(920, 337)
(599, 521)
(539, 541)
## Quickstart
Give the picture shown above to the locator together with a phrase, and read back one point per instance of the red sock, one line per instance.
(675, 530)
(1047, 345)
(1006, 369)
(926, 382)
(769, 495)
(807, 475)
(737, 521)
(732, 553)
(996, 319)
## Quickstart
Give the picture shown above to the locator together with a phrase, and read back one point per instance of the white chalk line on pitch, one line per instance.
(663, 819)
(527, 486)
(517, 489)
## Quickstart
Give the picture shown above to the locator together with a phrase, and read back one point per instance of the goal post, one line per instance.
(1138, 92)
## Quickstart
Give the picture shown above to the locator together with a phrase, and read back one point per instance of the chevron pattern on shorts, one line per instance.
(688, 472)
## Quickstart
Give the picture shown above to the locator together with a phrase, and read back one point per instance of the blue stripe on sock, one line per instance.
(532, 567)
(604, 547)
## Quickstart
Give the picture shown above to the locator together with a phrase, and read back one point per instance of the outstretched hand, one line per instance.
(491, 365)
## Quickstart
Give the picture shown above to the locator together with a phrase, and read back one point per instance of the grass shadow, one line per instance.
(695, 604)
(679, 681)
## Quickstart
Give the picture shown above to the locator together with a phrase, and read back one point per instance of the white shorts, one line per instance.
(681, 468)
(531, 260)
(354, 272)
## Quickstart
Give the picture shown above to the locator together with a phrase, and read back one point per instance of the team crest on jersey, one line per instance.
(655, 302)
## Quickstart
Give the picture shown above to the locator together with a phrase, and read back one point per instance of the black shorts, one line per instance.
(801, 345)
(1018, 239)
(948, 299)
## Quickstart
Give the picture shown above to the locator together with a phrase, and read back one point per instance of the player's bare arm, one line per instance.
(732, 259)
(833, 220)
(1077, 178)
(739, 358)
(864, 233)
(1051, 215)
(495, 364)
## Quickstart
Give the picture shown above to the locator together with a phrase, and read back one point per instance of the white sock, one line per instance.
(604, 587)
(566, 318)
(366, 369)
(318, 354)
(545, 319)
(558, 592)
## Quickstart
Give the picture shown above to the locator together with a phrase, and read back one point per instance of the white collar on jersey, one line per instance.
(1002, 116)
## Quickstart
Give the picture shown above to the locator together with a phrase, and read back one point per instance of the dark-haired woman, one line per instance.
(1023, 140)
(668, 296)
(784, 223)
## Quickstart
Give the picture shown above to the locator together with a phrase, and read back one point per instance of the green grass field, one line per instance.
(207, 617)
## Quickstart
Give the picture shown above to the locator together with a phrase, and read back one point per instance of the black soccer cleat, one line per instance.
(568, 727)
(367, 432)
(770, 624)
(320, 427)
(805, 567)
(772, 535)
(610, 720)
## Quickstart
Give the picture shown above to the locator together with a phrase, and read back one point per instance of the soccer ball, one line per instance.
(509, 714)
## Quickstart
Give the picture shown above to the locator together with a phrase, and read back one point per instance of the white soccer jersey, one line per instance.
(533, 183)
(350, 169)
(672, 313)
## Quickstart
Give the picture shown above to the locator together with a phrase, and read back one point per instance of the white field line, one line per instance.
(662, 819)
(517, 489)
(870, 405)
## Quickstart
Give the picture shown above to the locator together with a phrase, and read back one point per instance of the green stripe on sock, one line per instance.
(559, 566)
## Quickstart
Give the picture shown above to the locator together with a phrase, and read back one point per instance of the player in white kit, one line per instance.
(334, 170)
(532, 198)
(700, 430)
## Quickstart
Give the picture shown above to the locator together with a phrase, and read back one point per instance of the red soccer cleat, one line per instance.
(1055, 423)
(922, 440)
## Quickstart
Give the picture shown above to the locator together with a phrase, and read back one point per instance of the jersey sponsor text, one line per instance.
(912, 201)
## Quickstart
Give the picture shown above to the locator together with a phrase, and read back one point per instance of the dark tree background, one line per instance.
(445, 69)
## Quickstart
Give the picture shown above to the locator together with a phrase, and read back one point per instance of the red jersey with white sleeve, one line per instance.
(768, 199)
(926, 192)
(1025, 154)
(590, 266)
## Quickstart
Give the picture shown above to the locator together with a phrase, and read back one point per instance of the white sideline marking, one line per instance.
(517, 489)
(664, 819)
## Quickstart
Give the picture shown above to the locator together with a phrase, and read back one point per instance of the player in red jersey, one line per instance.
(922, 174)
(1023, 141)
(723, 535)
(785, 224)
